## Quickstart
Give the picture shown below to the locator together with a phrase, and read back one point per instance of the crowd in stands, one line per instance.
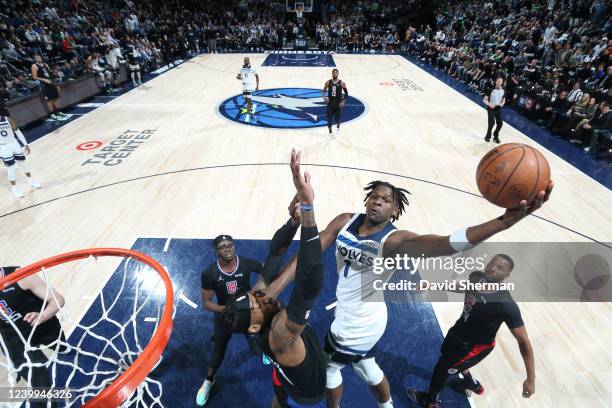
(81, 37)
(370, 26)
(558, 53)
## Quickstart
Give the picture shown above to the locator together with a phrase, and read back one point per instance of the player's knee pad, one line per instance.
(334, 376)
(369, 371)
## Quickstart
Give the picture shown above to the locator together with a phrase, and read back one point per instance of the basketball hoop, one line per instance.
(126, 387)
(299, 10)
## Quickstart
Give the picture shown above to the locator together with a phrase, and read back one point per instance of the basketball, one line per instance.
(512, 172)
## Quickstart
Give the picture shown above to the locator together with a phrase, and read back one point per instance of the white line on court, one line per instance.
(188, 301)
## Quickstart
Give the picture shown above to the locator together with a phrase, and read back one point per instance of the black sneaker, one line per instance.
(496, 140)
(422, 398)
(476, 388)
(487, 138)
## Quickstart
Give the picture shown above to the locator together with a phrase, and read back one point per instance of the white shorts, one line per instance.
(134, 67)
(357, 335)
(10, 150)
(247, 90)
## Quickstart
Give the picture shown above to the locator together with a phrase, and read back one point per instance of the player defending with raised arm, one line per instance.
(283, 333)
(359, 240)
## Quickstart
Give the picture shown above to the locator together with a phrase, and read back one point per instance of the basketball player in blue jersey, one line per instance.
(21, 304)
(250, 82)
(359, 240)
(12, 152)
(332, 95)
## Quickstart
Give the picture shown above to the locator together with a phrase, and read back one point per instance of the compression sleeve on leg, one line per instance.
(308, 276)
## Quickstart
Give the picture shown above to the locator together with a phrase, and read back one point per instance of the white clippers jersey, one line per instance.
(248, 76)
(7, 135)
(355, 262)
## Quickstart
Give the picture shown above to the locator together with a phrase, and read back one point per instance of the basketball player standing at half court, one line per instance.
(22, 304)
(332, 94)
(495, 101)
(361, 313)
(12, 152)
(472, 338)
(250, 83)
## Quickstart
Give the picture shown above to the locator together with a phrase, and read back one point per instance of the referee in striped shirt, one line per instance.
(495, 101)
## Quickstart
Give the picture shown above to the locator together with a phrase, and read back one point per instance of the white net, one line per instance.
(107, 320)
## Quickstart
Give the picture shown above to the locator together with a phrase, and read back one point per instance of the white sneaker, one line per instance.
(139, 83)
(204, 393)
(34, 184)
(53, 118)
(587, 149)
(17, 192)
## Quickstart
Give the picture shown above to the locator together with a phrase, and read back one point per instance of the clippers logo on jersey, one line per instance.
(287, 108)
(6, 311)
(232, 287)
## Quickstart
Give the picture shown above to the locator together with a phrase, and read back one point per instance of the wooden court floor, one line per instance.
(196, 174)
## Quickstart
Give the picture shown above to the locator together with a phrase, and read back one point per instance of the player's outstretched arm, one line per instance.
(412, 244)
(287, 326)
(278, 247)
(520, 334)
(53, 298)
(327, 237)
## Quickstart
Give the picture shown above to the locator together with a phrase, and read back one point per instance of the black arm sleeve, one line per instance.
(345, 89)
(278, 246)
(308, 276)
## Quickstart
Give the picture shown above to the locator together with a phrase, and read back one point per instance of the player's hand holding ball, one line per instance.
(514, 176)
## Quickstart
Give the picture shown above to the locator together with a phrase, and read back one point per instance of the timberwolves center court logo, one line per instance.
(287, 108)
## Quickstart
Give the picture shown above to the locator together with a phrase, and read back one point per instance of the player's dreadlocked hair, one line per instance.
(399, 195)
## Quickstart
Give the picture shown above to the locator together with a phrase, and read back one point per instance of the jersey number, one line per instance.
(347, 266)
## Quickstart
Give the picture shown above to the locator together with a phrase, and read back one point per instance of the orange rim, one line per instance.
(121, 389)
